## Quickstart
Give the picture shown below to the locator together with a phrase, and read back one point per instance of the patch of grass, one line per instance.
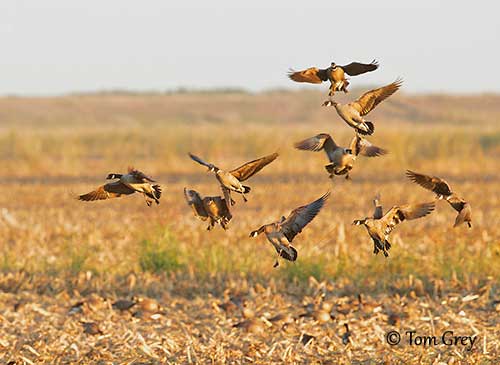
(214, 260)
(490, 142)
(160, 255)
(302, 272)
(6, 262)
(77, 259)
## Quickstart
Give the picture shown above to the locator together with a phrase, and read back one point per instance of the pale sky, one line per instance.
(59, 46)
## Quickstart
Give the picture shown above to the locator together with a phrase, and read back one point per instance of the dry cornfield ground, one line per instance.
(64, 262)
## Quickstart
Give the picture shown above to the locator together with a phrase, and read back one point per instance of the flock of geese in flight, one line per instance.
(217, 209)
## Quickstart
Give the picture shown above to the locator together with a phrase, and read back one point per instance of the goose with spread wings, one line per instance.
(380, 225)
(341, 158)
(281, 233)
(353, 113)
(335, 74)
(443, 191)
(232, 180)
(213, 208)
(133, 182)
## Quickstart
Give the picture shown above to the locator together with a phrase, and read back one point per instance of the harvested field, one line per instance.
(65, 262)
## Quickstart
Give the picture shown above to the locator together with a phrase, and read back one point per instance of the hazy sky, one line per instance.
(58, 46)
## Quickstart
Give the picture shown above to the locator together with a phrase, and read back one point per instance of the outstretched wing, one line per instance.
(107, 191)
(360, 145)
(398, 214)
(369, 100)
(378, 212)
(317, 143)
(194, 200)
(200, 161)
(140, 176)
(433, 183)
(356, 68)
(300, 217)
(312, 75)
(251, 168)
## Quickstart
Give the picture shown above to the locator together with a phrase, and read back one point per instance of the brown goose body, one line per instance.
(443, 191)
(229, 181)
(281, 233)
(141, 183)
(380, 227)
(353, 113)
(335, 74)
(463, 208)
(342, 164)
(341, 158)
(212, 208)
(278, 239)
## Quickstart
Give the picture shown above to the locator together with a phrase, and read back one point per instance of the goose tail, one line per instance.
(368, 128)
(156, 192)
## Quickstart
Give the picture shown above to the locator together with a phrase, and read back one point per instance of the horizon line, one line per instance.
(225, 90)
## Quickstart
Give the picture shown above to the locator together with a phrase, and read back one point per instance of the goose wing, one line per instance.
(312, 75)
(378, 212)
(223, 206)
(249, 169)
(200, 161)
(107, 191)
(369, 100)
(360, 145)
(301, 216)
(356, 68)
(194, 200)
(398, 214)
(433, 183)
(317, 143)
(139, 176)
(215, 206)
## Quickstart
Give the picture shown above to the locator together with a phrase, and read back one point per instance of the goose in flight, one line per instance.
(353, 113)
(380, 225)
(281, 233)
(232, 180)
(133, 182)
(335, 74)
(341, 158)
(213, 208)
(443, 191)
